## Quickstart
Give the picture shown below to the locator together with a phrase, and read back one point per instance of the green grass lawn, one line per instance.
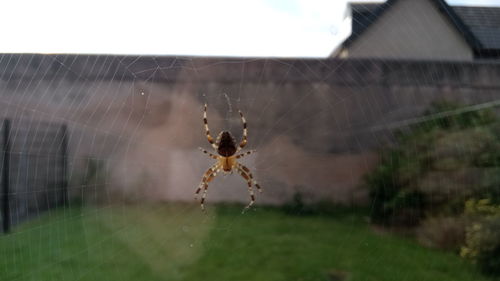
(179, 242)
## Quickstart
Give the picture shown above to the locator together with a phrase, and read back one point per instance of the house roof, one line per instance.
(362, 16)
(484, 23)
(480, 26)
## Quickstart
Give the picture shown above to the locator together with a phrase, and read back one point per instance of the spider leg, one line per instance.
(245, 133)
(208, 153)
(249, 174)
(249, 182)
(245, 154)
(207, 177)
(205, 188)
(207, 131)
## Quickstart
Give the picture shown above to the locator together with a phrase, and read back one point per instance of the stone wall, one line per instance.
(315, 122)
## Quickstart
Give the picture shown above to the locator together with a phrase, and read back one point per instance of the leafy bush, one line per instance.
(436, 165)
(446, 233)
(482, 242)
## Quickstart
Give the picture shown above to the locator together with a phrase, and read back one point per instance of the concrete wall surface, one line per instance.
(135, 122)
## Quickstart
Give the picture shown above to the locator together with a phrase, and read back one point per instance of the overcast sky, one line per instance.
(287, 28)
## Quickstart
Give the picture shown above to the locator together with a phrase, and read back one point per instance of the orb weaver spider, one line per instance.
(226, 148)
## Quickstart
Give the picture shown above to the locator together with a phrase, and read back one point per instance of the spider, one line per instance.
(226, 148)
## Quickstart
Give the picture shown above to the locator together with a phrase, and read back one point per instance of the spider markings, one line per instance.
(225, 146)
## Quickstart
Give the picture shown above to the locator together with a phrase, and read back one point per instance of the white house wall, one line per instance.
(412, 29)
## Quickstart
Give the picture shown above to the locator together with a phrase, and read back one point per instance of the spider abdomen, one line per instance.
(226, 144)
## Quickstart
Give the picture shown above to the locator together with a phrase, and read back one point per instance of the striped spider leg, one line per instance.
(243, 142)
(208, 176)
(247, 175)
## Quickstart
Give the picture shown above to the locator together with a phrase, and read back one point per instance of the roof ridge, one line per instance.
(459, 24)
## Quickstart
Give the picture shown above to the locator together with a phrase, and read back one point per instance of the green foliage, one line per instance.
(449, 115)
(436, 165)
(443, 175)
(483, 236)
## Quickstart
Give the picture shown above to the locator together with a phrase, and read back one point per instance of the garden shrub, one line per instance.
(443, 176)
(482, 241)
(435, 166)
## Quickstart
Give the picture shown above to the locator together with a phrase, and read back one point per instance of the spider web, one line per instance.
(134, 124)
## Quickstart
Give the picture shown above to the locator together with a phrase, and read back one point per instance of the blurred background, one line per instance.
(375, 126)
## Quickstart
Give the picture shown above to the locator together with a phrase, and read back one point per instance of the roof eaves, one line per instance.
(383, 7)
(464, 30)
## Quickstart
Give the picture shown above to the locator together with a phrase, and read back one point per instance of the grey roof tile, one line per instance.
(483, 22)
